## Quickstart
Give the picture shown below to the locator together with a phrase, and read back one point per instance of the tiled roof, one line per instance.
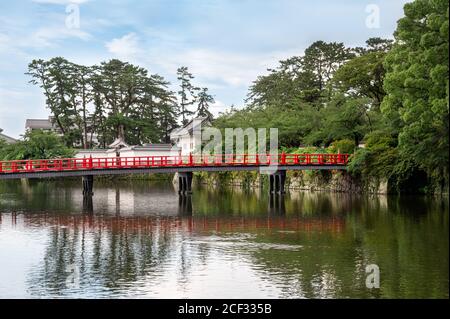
(44, 124)
(188, 128)
(7, 138)
(156, 147)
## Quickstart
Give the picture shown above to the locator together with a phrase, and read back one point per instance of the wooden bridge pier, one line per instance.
(88, 206)
(277, 205)
(277, 182)
(185, 183)
(88, 185)
(185, 205)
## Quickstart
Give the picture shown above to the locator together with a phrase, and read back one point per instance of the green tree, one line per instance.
(417, 85)
(321, 61)
(82, 98)
(345, 146)
(130, 103)
(120, 85)
(113, 99)
(375, 45)
(167, 117)
(36, 145)
(187, 93)
(363, 76)
(300, 79)
(343, 118)
(204, 100)
(57, 80)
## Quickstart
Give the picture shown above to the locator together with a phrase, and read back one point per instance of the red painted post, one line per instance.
(91, 164)
(257, 159)
(283, 158)
(216, 160)
(191, 160)
(1, 167)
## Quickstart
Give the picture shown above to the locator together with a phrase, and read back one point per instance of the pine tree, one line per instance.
(204, 102)
(187, 93)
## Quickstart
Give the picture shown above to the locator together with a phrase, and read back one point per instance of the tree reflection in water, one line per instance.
(230, 243)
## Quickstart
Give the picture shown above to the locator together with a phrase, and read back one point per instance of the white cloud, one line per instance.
(218, 107)
(4, 41)
(45, 37)
(42, 38)
(219, 70)
(17, 104)
(60, 1)
(231, 68)
(220, 67)
(126, 47)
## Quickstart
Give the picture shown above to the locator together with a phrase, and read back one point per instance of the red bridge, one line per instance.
(275, 165)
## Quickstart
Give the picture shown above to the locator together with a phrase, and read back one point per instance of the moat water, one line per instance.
(141, 240)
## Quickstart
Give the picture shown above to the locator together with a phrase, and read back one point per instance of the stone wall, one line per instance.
(327, 181)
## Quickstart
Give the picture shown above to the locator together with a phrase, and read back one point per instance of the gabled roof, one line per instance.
(155, 147)
(7, 138)
(118, 143)
(190, 126)
(43, 124)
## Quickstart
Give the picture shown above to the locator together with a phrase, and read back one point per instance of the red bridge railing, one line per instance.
(75, 164)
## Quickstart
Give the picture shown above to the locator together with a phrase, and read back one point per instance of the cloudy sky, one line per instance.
(225, 43)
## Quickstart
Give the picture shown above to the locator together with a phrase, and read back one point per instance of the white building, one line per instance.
(6, 138)
(120, 149)
(184, 137)
(41, 124)
(49, 126)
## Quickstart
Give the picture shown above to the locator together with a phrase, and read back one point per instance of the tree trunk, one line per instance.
(121, 132)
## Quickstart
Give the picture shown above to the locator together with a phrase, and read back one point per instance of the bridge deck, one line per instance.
(168, 164)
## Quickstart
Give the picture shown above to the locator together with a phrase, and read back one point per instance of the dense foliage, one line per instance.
(36, 145)
(114, 100)
(386, 103)
(417, 88)
(391, 96)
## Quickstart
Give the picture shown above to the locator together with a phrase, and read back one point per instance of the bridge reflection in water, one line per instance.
(137, 240)
(120, 243)
(185, 220)
(189, 224)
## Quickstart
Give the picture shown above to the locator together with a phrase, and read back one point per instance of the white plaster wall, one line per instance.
(87, 154)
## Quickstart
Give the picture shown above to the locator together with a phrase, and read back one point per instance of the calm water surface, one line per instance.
(140, 240)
